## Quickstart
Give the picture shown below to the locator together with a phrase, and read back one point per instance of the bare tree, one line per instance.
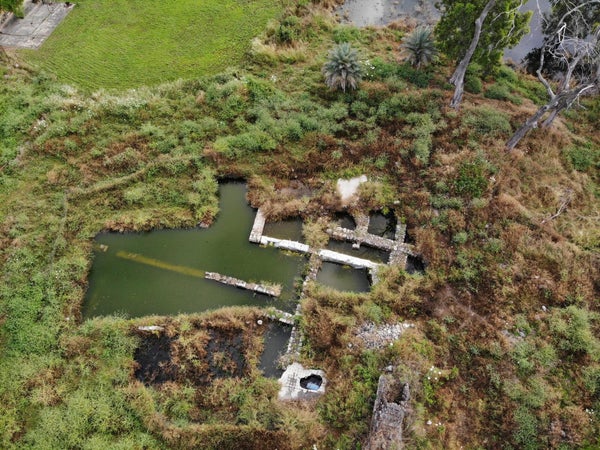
(575, 42)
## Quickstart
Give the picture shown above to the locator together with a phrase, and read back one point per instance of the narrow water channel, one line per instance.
(277, 337)
(165, 274)
(363, 252)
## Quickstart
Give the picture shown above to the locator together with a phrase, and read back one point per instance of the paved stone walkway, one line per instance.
(39, 22)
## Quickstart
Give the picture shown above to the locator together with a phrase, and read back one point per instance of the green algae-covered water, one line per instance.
(160, 272)
(343, 278)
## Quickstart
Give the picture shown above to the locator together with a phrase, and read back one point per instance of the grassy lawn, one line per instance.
(130, 43)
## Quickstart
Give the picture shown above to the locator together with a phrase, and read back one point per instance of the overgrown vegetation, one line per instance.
(504, 352)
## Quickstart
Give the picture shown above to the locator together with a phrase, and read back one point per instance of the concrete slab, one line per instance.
(40, 20)
(284, 244)
(347, 260)
(292, 379)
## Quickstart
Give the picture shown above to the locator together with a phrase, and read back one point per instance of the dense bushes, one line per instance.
(472, 179)
(14, 6)
(422, 129)
(486, 121)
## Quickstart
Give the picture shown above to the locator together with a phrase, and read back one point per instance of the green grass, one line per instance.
(130, 43)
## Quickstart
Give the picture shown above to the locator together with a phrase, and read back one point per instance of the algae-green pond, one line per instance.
(160, 272)
(344, 278)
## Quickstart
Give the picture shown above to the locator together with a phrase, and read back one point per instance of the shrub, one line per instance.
(378, 69)
(441, 201)
(486, 121)
(342, 69)
(472, 179)
(500, 91)
(419, 78)
(460, 238)
(526, 428)
(422, 129)
(572, 329)
(345, 33)
(592, 381)
(288, 30)
(497, 91)
(241, 144)
(473, 85)
(506, 73)
(584, 157)
(419, 47)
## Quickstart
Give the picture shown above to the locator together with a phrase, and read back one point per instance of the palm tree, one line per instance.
(342, 69)
(419, 47)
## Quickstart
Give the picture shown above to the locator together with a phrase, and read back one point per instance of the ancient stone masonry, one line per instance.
(273, 291)
(399, 250)
(258, 227)
(347, 260)
(281, 316)
(388, 415)
(284, 244)
(295, 343)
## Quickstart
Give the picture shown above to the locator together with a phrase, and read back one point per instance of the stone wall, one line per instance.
(388, 415)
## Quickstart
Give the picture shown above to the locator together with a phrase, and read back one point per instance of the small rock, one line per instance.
(259, 322)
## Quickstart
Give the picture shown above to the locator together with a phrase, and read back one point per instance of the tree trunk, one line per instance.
(527, 126)
(458, 77)
(559, 103)
(550, 119)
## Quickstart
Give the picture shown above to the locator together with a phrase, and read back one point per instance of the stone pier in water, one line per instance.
(273, 291)
(258, 227)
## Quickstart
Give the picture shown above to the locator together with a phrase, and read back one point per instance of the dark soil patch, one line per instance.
(225, 355)
(415, 265)
(198, 357)
(153, 360)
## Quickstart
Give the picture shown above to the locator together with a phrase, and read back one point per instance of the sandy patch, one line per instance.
(348, 188)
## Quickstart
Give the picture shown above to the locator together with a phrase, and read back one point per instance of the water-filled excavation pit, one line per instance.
(162, 272)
